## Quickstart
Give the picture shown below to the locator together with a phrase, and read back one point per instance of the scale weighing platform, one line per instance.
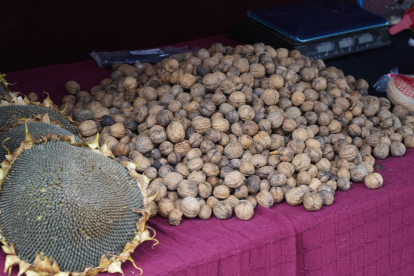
(318, 29)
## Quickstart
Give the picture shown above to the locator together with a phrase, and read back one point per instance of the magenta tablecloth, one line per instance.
(365, 232)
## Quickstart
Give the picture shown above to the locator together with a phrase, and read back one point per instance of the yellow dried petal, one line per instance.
(44, 267)
(23, 267)
(46, 119)
(95, 144)
(55, 267)
(32, 273)
(115, 267)
(10, 261)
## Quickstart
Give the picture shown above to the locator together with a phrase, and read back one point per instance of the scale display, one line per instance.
(341, 46)
(326, 29)
(346, 43)
(365, 39)
(317, 19)
(325, 47)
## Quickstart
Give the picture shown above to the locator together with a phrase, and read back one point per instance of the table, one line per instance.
(365, 232)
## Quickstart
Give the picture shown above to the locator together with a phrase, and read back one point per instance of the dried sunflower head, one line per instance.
(66, 208)
(12, 138)
(20, 108)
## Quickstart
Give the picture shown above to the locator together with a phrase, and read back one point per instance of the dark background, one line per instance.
(39, 33)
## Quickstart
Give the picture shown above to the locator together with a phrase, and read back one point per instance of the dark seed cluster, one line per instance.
(69, 203)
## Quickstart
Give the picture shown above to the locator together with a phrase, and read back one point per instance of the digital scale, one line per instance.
(318, 29)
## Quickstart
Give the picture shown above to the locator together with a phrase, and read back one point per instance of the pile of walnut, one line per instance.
(222, 130)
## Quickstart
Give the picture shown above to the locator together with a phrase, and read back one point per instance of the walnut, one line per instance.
(367, 166)
(276, 82)
(205, 190)
(343, 172)
(397, 149)
(234, 179)
(374, 180)
(121, 149)
(301, 162)
(246, 168)
(244, 210)
(195, 164)
(258, 160)
(232, 200)
(165, 206)
(358, 173)
(246, 112)
(172, 180)
(144, 144)
(333, 184)
(250, 128)
(304, 178)
(151, 173)
(409, 141)
(175, 132)
(241, 192)
(343, 184)
(211, 82)
(201, 124)
(72, 87)
(381, 151)
(286, 168)
(361, 84)
(88, 128)
(205, 212)
(257, 70)
(222, 210)
(130, 83)
(314, 153)
(265, 199)
(183, 149)
(242, 65)
(327, 197)
(99, 113)
(319, 84)
(211, 169)
(174, 217)
(187, 80)
(298, 146)
(211, 201)
(234, 150)
(245, 140)
(334, 126)
(177, 204)
(165, 170)
(190, 207)
(276, 119)
(348, 152)
(312, 202)
(220, 124)
(323, 164)
(117, 131)
(221, 192)
(314, 184)
(294, 196)
(187, 189)
(270, 97)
